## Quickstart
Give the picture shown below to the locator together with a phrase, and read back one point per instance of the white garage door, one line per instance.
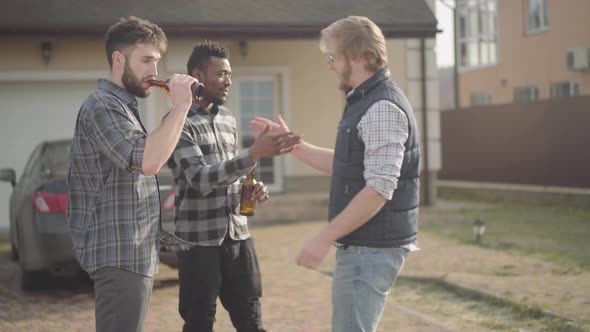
(31, 112)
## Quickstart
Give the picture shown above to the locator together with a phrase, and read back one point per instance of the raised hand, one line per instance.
(181, 94)
(258, 125)
(269, 145)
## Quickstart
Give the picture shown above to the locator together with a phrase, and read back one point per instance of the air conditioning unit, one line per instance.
(578, 59)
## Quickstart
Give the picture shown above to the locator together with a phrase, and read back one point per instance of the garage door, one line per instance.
(31, 112)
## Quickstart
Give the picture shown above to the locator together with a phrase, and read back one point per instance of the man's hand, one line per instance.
(258, 125)
(260, 192)
(181, 94)
(268, 145)
(313, 252)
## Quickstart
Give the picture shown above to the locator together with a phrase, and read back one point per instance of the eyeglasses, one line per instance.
(224, 74)
(330, 58)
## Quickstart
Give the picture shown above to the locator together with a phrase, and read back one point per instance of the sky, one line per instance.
(444, 41)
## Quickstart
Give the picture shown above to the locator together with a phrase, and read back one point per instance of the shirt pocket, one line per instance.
(342, 149)
(228, 144)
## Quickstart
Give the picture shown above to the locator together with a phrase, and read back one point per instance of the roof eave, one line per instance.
(237, 31)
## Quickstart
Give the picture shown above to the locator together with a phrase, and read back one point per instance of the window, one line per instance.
(526, 93)
(251, 97)
(537, 17)
(476, 35)
(481, 99)
(564, 89)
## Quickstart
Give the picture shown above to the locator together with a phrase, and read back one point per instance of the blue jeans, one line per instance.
(362, 281)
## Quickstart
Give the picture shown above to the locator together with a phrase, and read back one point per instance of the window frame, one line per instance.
(573, 89)
(470, 14)
(543, 19)
(481, 98)
(279, 79)
(518, 92)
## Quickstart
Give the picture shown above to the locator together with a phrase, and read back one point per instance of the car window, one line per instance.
(31, 163)
(55, 157)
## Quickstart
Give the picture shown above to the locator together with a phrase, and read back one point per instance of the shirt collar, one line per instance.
(198, 109)
(123, 95)
(368, 85)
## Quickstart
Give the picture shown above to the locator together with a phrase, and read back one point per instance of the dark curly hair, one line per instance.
(202, 52)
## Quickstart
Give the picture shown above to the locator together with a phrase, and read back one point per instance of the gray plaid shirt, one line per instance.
(113, 210)
(206, 167)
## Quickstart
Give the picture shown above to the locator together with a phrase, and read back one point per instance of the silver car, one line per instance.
(39, 234)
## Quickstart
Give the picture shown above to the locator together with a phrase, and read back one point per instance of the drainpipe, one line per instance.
(426, 176)
(456, 67)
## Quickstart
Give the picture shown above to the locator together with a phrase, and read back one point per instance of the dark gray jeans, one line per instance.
(121, 298)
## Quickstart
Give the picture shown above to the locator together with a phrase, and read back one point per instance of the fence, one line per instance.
(540, 143)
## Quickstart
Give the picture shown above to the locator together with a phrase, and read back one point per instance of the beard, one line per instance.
(345, 78)
(132, 83)
(211, 93)
(217, 100)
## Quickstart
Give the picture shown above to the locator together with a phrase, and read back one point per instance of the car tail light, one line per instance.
(50, 202)
(168, 203)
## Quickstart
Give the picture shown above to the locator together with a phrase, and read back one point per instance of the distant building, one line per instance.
(446, 81)
(522, 50)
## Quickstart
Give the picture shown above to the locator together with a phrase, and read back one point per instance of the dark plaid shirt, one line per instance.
(206, 169)
(113, 210)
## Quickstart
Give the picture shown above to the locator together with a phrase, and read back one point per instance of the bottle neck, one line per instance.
(158, 83)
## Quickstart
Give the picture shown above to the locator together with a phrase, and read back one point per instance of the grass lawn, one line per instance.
(556, 233)
(476, 312)
(4, 242)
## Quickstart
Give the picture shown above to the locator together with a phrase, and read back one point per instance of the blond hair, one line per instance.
(356, 36)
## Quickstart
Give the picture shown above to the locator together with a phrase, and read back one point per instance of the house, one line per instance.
(53, 52)
(522, 50)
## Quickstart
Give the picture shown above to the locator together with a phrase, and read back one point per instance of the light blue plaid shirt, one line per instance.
(113, 209)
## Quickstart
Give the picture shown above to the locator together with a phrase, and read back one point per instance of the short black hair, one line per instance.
(202, 52)
(130, 31)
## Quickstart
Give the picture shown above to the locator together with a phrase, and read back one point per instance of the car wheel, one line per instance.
(13, 252)
(30, 281)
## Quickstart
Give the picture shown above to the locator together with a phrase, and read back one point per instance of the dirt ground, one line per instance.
(297, 299)
(294, 299)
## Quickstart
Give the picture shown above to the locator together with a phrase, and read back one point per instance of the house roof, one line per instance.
(253, 19)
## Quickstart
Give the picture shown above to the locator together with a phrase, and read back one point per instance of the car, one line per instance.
(39, 235)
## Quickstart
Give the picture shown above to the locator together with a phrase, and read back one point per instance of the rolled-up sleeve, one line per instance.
(384, 131)
(115, 135)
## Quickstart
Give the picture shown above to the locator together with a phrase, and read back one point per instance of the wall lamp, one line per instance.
(243, 48)
(46, 50)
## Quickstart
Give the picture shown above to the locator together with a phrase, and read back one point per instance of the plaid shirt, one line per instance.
(384, 131)
(113, 210)
(206, 167)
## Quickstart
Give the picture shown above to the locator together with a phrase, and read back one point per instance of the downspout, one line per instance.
(426, 175)
(456, 67)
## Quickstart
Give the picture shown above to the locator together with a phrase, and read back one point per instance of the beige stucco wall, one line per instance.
(65, 55)
(313, 102)
(532, 59)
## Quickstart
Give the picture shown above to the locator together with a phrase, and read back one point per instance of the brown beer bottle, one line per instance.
(247, 205)
(197, 87)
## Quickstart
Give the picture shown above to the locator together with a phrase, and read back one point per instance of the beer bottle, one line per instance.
(247, 205)
(197, 87)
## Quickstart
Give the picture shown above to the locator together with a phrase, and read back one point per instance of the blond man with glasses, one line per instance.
(374, 194)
